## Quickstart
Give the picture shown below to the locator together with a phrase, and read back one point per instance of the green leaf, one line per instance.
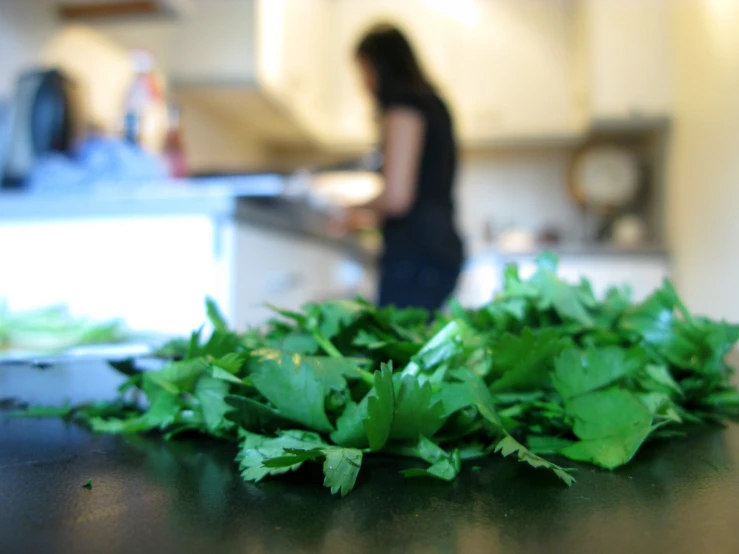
(446, 469)
(661, 376)
(341, 468)
(193, 346)
(445, 466)
(254, 416)
(543, 445)
(525, 361)
(293, 456)
(257, 449)
(577, 373)
(295, 390)
(231, 362)
(508, 445)
(214, 315)
(88, 485)
(261, 456)
(161, 414)
(224, 375)
(334, 315)
(725, 399)
(380, 408)
(607, 452)
(297, 342)
(211, 395)
(416, 413)
(569, 301)
(180, 376)
(612, 424)
(350, 430)
(609, 412)
(469, 391)
(443, 346)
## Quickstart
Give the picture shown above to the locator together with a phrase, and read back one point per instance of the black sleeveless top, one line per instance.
(427, 231)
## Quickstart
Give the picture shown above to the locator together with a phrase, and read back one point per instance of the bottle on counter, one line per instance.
(145, 118)
(174, 151)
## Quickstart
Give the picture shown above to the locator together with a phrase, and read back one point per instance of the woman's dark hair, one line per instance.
(391, 55)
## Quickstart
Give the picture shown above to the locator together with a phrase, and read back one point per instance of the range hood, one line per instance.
(99, 10)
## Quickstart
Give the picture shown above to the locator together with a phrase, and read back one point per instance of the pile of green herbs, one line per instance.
(544, 370)
(52, 330)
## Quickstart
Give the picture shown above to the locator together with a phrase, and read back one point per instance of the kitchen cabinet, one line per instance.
(505, 67)
(429, 31)
(292, 60)
(214, 45)
(512, 78)
(281, 269)
(626, 57)
(513, 72)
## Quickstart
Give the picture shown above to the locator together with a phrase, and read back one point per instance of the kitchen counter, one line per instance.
(678, 496)
(588, 250)
(212, 195)
(261, 200)
(162, 247)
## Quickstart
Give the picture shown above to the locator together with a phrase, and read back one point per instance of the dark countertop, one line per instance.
(296, 217)
(680, 496)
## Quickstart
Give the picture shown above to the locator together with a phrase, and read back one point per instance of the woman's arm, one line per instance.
(404, 133)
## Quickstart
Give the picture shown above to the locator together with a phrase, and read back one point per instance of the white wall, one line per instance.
(25, 25)
(704, 156)
(521, 189)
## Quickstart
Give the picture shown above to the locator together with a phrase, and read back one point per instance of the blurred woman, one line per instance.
(422, 255)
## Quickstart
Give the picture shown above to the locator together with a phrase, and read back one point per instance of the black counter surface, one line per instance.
(679, 496)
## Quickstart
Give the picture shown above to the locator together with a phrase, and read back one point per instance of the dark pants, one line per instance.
(416, 283)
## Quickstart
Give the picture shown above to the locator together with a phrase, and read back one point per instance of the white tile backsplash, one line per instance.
(526, 190)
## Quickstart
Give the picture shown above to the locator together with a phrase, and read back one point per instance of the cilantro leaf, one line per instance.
(443, 345)
(341, 469)
(261, 456)
(215, 316)
(350, 430)
(577, 373)
(380, 409)
(416, 411)
(525, 361)
(470, 391)
(612, 424)
(295, 390)
(258, 449)
(569, 301)
(254, 416)
(508, 445)
(444, 466)
(211, 395)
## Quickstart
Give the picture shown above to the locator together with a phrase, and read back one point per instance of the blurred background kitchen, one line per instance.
(155, 152)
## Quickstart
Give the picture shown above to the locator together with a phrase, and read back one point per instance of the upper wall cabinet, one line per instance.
(427, 29)
(293, 60)
(505, 67)
(513, 70)
(627, 58)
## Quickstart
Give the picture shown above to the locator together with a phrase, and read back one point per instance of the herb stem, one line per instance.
(327, 345)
